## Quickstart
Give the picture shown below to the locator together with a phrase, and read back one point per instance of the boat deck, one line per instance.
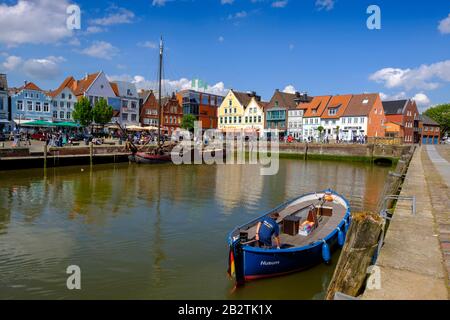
(326, 224)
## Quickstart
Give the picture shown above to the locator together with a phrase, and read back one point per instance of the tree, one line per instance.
(320, 128)
(82, 112)
(440, 114)
(188, 122)
(102, 112)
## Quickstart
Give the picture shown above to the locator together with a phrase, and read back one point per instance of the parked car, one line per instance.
(38, 136)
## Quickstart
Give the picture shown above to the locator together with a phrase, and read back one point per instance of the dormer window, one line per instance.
(276, 104)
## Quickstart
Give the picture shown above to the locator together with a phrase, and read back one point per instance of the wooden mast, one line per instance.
(161, 49)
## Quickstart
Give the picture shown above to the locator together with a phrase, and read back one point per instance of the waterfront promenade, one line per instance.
(415, 259)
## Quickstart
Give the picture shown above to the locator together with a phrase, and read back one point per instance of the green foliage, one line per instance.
(188, 122)
(102, 113)
(82, 112)
(440, 114)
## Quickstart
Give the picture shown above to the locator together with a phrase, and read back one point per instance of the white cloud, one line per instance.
(33, 21)
(421, 99)
(94, 29)
(325, 4)
(46, 68)
(425, 77)
(148, 44)
(118, 16)
(11, 63)
(37, 68)
(221, 39)
(168, 85)
(159, 3)
(444, 25)
(74, 42)
(290, 89)
(101, 49)
(280, 4)
(397, 96)
(238, 15)
(291, 46)
(226, 1)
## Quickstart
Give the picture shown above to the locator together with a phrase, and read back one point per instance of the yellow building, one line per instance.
(231, 112)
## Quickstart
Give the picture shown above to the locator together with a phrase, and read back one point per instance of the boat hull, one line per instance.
(251, 263)
(146, 158)
(260, 263)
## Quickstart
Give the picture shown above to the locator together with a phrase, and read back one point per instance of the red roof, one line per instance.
(337, 102)
(316, 107)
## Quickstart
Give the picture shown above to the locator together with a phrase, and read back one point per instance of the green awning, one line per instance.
(43, 123)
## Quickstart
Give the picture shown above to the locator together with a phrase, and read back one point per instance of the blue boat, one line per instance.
(312, 226)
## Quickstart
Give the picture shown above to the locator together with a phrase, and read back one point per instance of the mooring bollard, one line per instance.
(45, 155)
(91, 152)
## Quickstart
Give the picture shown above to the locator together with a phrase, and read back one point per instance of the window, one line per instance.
(61, 104)
(20, 105)
(30, 106)
(26, 95)
(133, 104)
(240, 119)
(55, 114)
(129, 92)
(343, 120)
(68, 115)
(355, 120)
(226, 110)
(250, 119)
(61, 114)
(254, 118)
(276, 104)
(366, 101)
(259, 118)
(221, 120)
(361, 119)
(205, 99)
(133, 117)
(230, 103)
(234, 119)
(226, 120)
(68, 105)
(246, 119)
(55, 104)
(125, 116)
(70, 96)
(124, 103)
(46, 109)
(332, 111)
(235, 110)
(63, 95)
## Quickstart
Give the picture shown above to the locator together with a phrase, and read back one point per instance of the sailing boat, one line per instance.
(159, 155)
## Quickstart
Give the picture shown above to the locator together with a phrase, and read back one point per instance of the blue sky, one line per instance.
(318, 46)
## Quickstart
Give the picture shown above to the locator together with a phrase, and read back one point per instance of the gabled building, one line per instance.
(232, 110)
(405, 114)
(277, 111)
(63, 101)
(364, 116)
(129, 102)
(149, 109)
(430, 130)
(254, 116)
(312, 111)
(30, 103)
(4, 105)
(172, 114)
(331, 116)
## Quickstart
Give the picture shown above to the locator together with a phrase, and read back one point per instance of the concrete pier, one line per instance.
(414, 261)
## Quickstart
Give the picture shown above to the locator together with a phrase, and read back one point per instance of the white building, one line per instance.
(295, 123)
(254, 116)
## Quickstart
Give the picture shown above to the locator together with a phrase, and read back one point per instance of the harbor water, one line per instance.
(155, 231)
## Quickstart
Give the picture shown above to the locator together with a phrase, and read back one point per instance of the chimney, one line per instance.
(25, 82)
(85, 76)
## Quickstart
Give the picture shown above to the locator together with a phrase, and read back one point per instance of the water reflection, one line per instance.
(154, 232)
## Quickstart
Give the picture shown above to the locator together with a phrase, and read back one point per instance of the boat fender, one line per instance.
(341, 237)
(346, 226)
(326, 252)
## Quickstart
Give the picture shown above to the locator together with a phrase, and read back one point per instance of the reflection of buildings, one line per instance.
(238, 185)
